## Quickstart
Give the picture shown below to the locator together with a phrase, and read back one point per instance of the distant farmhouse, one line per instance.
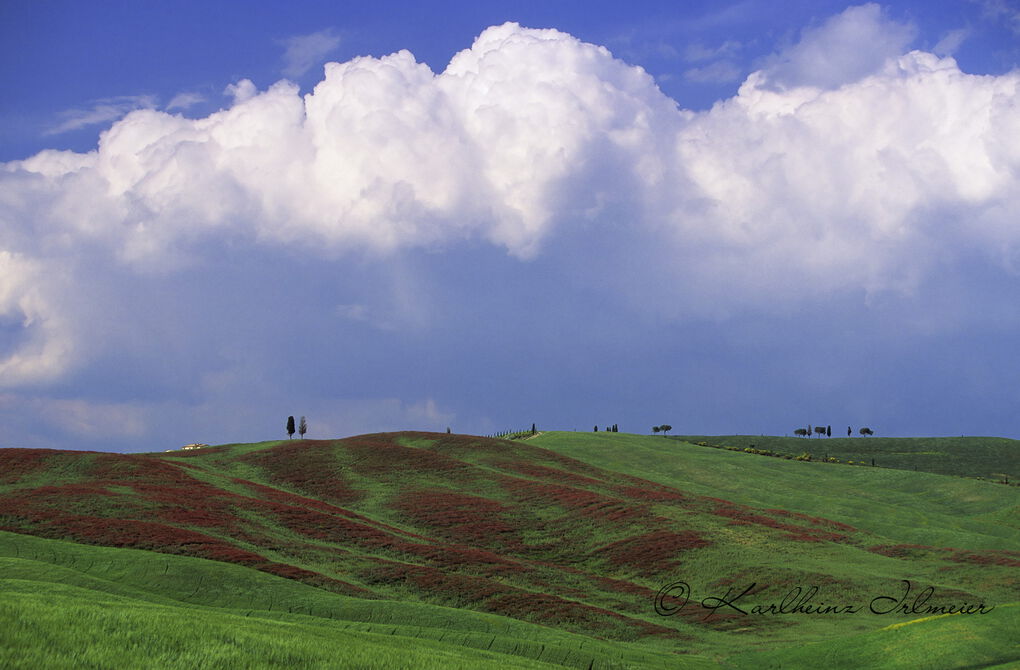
(188, 447)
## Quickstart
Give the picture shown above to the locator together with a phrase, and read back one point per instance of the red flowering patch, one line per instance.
(469, 559)
(551, 610)
(461, 518)
(623, 586)
(651, 492)
(191, 503)
(554, 611)
(276, 495)
(475, 447)
(449, 444)
(380, 538)
(315, 579)
(16, 464)
(124, 468)
(746, 516)
(88, 499)
(129, 533)
(1009, 559)
(564, 462)
(292, 500)
(165, 490)
(445, 586)
(171, 492)
(814, 520)
(814, 535)
(608, 584)
(485, 595)
(654, 552)
(310, 466)
(321, 526)
(903, 550)
(536, 471)
(742, 516)
(580, 501)
(60, 495)
(379, 455)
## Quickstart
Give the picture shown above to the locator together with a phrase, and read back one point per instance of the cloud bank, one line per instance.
(833, 170)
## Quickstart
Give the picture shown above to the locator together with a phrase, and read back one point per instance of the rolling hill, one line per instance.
(992, 458)
(477, 551)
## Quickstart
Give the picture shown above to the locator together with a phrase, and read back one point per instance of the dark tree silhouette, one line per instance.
(801, 432)
(866, 431)
(596, 429)
(828, 431)
(290, 427)
(656, 429)
(820, 430)
(665, 427)
(849, 431)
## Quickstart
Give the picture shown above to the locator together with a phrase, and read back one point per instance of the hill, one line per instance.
(563, 541)
(993, 458)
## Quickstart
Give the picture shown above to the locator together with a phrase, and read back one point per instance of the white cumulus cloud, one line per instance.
(833, 169)
(844, 49)
(866, 185)
(46, 345)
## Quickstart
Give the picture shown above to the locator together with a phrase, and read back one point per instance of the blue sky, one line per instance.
(730, 217)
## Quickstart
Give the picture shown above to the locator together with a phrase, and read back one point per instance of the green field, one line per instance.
(173, 611)
(420, 550)
(993, 458)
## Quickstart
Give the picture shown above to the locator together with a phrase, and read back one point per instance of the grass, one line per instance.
(545, 550)
(949, 641)
(902, 507)
(172, 611)
(114, 633)
(992, 458)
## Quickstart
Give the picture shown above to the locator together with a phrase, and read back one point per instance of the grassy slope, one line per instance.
(116, 633)
(174, 611)
(903, 507)
(987, 457)
(418, 520)
(921, 509)
(948, 641)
